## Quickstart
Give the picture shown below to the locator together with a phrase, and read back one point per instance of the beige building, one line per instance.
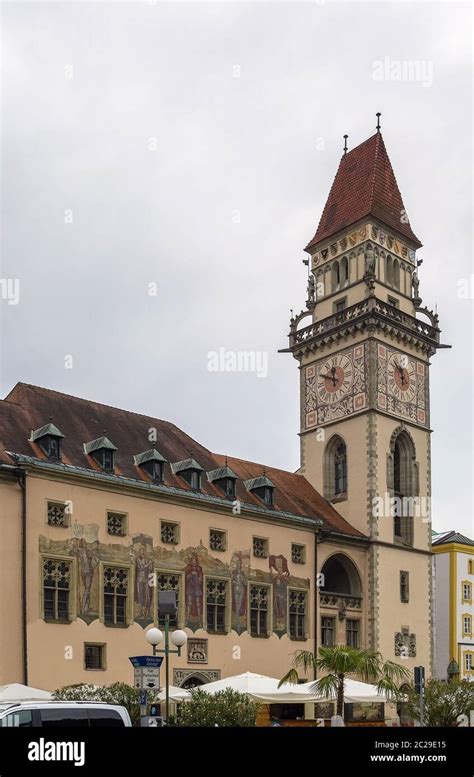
(101, 508)
(453, 574)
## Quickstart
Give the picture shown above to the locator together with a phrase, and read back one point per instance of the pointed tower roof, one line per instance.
(365, 185)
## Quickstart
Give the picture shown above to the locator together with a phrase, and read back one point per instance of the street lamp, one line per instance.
(178, 638)
(453, 670)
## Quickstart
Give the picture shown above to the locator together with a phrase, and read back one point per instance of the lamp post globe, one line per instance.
(154, 636)
(179, 638)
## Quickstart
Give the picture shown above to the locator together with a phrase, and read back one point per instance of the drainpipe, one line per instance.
(24, 622)
(21, 475)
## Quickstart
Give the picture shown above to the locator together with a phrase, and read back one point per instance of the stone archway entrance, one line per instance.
(193, 681)
(192, 678)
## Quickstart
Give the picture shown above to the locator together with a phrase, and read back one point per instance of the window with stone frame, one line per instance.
(216, 605)
(404, 586)
(402, 479)
(466, 592)
(468, 662)
(116, 589)
(298, 553)
(259, 610)
(56, 588)
(353, 633)
(328, 631)
(466, 625)
(297, 613)
(169, 532)
(169, 581)
(217, 540)
(117, 524)
(335, 469)
(94, 656)
(260, 547)
(57, 515)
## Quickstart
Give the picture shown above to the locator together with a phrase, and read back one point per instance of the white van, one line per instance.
(57, 714)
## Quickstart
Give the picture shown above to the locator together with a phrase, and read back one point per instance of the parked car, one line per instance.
(57, 714)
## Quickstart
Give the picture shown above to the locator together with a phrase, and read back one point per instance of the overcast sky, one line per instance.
(193, 146)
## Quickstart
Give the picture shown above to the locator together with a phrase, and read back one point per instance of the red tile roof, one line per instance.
(29, 407)
(365, 185)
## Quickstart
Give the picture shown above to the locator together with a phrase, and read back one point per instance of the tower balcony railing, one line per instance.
(340, 600)
(364, 309)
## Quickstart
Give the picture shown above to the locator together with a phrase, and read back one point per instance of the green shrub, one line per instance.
(225, 708)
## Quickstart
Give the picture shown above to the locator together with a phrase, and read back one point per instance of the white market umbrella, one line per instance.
(15, 692)
(175, 694)
(262, 688)
(354, 691)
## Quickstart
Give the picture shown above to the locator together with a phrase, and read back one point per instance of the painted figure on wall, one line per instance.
(193, 591)
(143, 586)
(88, 560)
(239, 565)
(280, 588)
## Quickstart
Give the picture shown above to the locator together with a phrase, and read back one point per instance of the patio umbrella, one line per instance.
(259, 687)
(354, 691)
(15, 692)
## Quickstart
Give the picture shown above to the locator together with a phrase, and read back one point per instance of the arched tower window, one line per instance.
(335, 276)
(344, 270)
(335, 469)
(402, 481)
(396, 274)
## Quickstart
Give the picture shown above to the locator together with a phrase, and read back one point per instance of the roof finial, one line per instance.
(378, 121)
(345, 144)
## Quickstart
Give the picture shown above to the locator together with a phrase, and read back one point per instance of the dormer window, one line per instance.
(190, 471)
(103, 453)
(224, 478)
(49, 440)
(261, 487)
(151, 462)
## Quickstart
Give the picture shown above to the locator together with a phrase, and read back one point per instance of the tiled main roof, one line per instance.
(80, 420)
(365, 185)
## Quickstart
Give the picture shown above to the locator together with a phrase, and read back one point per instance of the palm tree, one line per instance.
(341, 660)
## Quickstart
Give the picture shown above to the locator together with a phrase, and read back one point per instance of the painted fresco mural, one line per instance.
(184, 570)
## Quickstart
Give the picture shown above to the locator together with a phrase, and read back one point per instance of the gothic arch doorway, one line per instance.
(193, 681)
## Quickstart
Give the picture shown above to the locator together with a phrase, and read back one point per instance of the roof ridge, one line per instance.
(372, 186)
(258, 464)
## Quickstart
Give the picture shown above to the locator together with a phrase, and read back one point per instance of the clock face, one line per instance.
(335, 378)
(401, 375)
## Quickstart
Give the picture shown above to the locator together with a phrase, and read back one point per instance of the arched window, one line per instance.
(340, 469)
(388, 270)
(335, 469)
(396, 274)
(320, 284)
(344, 271)
(335, 276)
(402, 482)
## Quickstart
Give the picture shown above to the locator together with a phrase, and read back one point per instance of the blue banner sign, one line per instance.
(153, 662)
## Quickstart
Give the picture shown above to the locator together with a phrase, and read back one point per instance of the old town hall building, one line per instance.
(100, 508)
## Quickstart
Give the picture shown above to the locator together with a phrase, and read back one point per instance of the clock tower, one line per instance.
(364, 344)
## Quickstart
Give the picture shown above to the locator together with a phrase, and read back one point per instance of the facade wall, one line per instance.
(442, 599)
(465, 642)
(228, 654)
(11, 670)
